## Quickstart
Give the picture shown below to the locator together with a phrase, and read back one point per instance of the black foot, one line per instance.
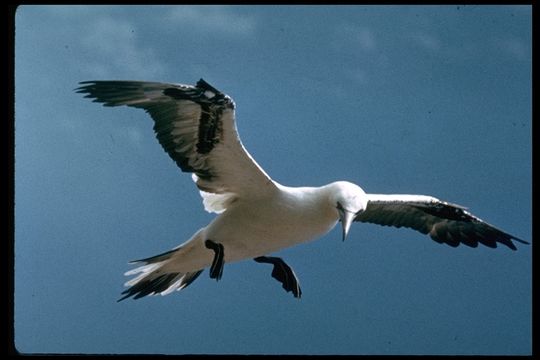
(216, 270)
(282, 273)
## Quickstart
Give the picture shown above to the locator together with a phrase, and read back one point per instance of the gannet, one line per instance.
(256, 215)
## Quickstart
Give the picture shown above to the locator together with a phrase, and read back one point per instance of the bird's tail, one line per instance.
(154, 279)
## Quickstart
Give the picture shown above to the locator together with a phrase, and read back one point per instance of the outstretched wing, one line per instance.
(442, 221)
(196, 126)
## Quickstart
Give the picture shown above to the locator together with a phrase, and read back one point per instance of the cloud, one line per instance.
(516, 48)
(218, 20)
(358, 75)
(134, 134)
(426, 41)
(71, 11)
(114, 51)
(366, 39)
(363, 51)
(360, 37)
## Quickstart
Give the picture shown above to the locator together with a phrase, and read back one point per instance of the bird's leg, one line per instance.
(282, 273)
(216, 269)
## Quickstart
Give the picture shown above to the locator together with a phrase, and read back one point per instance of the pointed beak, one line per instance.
(346, 218)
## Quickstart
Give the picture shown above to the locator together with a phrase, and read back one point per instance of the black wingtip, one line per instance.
(521, 241)
(202, 84)
(87, 82)
(127, 293)
(83, 85)
(123, 298)
(508, 240)
(511, 245)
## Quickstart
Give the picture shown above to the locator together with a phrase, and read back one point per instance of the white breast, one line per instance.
(262, 226)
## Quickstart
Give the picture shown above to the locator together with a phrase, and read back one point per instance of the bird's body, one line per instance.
(257, 216)
(243, 229)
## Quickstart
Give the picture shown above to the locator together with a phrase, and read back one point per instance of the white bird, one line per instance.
(256, 215)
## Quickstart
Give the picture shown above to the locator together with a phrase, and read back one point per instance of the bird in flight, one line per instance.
(256, 215)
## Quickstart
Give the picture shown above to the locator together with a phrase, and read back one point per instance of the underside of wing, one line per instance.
(195, 125)
(442, 221)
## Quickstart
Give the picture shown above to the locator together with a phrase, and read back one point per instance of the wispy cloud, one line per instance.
(115, 51)
(516, 48)
(135, 135)
(366, 39)
(219, 20)
(363, 51)
(426, 41)
(355, 36)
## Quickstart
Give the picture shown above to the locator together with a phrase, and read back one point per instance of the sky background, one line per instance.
(432, 100)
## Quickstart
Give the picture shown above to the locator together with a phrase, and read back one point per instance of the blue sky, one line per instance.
(431, 100)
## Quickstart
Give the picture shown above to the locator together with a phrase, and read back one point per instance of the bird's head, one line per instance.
(349, 200)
